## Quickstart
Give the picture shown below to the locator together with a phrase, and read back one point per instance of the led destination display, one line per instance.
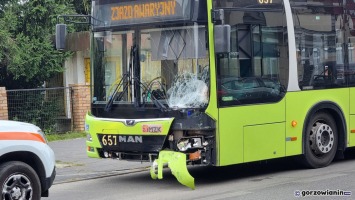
(141, 12)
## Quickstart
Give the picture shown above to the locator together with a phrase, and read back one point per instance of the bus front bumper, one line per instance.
(176, 161)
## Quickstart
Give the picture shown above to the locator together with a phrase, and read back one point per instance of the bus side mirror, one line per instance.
(60, 35)
(222, 34)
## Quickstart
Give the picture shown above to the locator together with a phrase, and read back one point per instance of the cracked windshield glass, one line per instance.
(162, 67)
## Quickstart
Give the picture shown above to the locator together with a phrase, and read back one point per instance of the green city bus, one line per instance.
(221, 82)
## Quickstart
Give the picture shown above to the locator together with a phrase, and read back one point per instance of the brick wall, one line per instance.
(3, 104)
(81, 104)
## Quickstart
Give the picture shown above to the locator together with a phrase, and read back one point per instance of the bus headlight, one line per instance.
(88, 137)
(87, 127)
(185, 144)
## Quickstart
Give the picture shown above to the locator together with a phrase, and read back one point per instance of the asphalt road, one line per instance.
(73, 164)
(277, 179)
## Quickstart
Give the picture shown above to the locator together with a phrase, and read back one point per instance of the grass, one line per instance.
(65, 136)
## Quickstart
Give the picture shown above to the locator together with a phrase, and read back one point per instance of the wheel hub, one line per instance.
(16, 193)
(17, 187)
(322, 138)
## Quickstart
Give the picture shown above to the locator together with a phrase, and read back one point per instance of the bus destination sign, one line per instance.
(142, 12)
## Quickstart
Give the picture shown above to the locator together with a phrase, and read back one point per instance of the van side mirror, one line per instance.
(222, 35)
(60, 35)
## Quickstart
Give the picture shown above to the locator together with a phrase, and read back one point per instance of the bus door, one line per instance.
(252, 81)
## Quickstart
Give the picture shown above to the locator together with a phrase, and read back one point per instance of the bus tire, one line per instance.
(320, 141)
(19, 181)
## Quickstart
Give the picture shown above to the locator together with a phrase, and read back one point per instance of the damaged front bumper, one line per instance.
(176, 161)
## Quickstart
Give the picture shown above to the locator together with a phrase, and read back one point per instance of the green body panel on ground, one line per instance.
(176, 161)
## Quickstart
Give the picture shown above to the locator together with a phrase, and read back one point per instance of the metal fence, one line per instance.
(48, 108)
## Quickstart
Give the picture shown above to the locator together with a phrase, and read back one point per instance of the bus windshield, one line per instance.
(162, 67)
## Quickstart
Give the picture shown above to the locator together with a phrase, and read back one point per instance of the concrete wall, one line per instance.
(79, 44)
(75, 69)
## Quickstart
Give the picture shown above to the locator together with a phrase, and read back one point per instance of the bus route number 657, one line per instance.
(109, 140)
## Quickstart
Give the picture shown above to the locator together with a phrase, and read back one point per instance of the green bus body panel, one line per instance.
(264, 141)
(299, 104)
(247, 132)
(352, 101)
(212, 109)
(232, 122)
(352, 117)
(352, 127)
(119, 128)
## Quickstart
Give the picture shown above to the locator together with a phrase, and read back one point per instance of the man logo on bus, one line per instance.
(130, 139)
(130, 122)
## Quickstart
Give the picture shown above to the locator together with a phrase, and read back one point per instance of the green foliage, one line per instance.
(27, 53)
(65, 136)
(82, 7)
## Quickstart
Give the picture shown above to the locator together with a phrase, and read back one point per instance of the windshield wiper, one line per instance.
(158, 104)
(133, 64)
(115, 92)
(154, 99)
(126, 77)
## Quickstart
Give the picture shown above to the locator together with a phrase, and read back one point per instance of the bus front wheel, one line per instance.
(321, 140)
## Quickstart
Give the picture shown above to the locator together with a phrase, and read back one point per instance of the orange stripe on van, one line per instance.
(21, 136)
(353, 131)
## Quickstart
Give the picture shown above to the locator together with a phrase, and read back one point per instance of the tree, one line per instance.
(82, 7)
(27, 54)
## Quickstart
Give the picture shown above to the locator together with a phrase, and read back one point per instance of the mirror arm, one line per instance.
(218, 16)
(69, 19)
(221, 32)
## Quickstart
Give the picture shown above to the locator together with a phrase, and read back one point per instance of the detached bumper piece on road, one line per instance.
(176, 161)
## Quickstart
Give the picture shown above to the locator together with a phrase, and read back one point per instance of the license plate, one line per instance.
(108, 140)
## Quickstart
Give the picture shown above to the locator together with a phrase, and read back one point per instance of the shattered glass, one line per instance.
(188, 91)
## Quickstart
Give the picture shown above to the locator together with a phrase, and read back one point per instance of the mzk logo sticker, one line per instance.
(156, 128)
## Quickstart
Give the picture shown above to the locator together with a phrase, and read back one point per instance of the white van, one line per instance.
(27, 163)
